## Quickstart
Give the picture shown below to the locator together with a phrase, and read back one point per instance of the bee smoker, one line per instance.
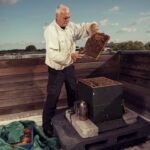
(81, 110)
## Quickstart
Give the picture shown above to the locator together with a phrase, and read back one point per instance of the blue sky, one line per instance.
(22, 21)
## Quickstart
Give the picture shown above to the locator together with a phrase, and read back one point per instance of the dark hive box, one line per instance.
(103, 96)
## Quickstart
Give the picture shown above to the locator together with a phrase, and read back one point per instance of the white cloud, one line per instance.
(147, 31)
(144, 19)
(107, 22)
(114, 9)
(127, 29)
(115, 24)
(9, 2)
(144, 13)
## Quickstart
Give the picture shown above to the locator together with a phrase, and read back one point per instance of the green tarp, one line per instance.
(12, 133)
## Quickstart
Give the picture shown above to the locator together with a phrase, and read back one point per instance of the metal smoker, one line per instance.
(81, 110)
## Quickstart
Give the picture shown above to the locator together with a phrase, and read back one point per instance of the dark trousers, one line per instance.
(56, 78)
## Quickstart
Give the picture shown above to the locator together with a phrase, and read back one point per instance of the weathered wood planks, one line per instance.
(23, 82)
(135, 75)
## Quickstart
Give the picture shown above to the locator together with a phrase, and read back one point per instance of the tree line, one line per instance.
(130, 45)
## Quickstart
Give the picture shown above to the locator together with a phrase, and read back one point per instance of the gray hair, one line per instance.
(61, 8)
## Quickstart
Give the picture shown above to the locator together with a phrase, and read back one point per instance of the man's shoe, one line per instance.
(48, 131)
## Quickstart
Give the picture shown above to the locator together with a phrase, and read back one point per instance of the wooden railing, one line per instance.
(135, 75)
(23, 81)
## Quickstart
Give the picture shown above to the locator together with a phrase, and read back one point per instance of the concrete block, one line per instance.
(85, 128)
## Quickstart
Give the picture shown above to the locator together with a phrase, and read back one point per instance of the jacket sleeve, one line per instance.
(53, 50)
(81, 30)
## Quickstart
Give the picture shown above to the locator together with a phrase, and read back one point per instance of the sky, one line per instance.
(22, 22)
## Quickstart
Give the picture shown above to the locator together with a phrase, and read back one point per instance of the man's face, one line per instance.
(63, 18)
(94, 28)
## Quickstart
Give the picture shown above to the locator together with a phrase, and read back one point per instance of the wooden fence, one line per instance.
(23, 81)
(135, 75)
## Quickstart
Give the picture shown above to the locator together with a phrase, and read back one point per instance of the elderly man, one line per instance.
(60, 37)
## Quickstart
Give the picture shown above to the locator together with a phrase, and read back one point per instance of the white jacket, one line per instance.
(60, 43)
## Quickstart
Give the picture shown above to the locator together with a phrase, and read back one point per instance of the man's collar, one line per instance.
(58, 27)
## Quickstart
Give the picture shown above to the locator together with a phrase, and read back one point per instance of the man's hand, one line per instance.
(94, 28)
(76, 56)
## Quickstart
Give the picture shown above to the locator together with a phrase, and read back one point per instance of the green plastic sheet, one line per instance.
(12, 133)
